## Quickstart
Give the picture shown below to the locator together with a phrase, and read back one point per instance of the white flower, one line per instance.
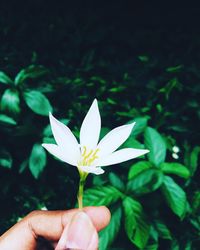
(90, 155)
(175, 156)
(176, 149)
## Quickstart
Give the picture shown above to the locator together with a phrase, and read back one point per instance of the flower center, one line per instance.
(88, 156)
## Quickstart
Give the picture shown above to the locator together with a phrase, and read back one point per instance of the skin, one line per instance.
(41, 230)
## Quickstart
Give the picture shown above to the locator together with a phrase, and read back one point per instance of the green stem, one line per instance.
(83, 177)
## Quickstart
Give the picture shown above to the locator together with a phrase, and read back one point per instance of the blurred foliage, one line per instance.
(137, 74)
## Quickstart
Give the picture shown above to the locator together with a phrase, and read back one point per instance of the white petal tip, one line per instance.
(50, 114)
(133, 124)
(130, 125)
(95, 102)
(51, 117)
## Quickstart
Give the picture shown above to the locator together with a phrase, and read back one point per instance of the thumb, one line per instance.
(80, 234)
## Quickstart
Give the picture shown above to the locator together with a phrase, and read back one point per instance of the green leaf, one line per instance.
(155, 143)
(138, 167)
(116, 181)
(171, 85)
(23, 166)
(136, 227)
(47, 132)
(174, 69)
(49, 140)
(163, 230)
(147, 181)
(37, 160)
(5, 78)
(151, 247)
(5, 159)
(38, 102)
(99, 180)
(194, 159)
(10, 101)
(32, 71)
(107, 236)
(175, 245)
(196, 202)
(153, 234)
(195, 223)
(132, 143)
(174, 196)
(99, 196)
(117, 89)
(111, 101)
(178, 128)
(140, 125)
(175, 168)
(104, 131)
(6, 120)
(188, 246)
(143, 58)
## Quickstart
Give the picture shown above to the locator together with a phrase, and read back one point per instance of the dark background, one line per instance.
(115, 29)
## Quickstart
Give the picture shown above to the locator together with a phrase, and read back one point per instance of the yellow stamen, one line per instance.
(92, 159)
(85, 150)
(96, 151)
(87, 159)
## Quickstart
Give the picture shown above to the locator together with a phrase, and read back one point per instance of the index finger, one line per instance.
(41, 221)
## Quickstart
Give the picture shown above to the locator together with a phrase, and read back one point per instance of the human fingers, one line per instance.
(49, 225)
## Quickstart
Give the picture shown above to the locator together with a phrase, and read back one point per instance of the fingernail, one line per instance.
(79, 233)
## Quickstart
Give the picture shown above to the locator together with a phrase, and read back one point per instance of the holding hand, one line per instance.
(61, 230)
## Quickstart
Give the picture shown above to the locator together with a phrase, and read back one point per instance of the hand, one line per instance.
(62, 230)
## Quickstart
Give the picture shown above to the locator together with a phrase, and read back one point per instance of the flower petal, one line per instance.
(64, 138)
(58, 153)
(90, 128)
(121, 156)
(114, 139)
(92, 169)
